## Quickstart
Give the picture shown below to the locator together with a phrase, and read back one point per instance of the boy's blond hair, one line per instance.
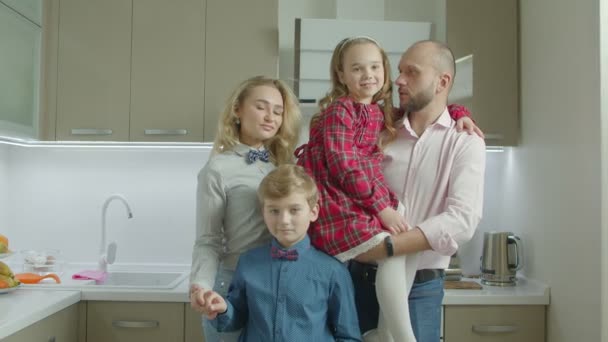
(282, 145)
(286, 180)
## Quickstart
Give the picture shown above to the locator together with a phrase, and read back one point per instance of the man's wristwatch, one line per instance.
(388, 242)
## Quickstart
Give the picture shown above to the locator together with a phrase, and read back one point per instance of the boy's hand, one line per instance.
(392, 221)
(466, 123)
(209, 303)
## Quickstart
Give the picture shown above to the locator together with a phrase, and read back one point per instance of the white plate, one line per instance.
(10, 289)
(6, 255)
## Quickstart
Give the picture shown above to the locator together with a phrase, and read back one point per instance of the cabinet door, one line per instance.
(60, 327)
(168, 70)
(505, 323)
(242, 41)
(488, 30)
(135, 321)
(94, 63)
(192, 325)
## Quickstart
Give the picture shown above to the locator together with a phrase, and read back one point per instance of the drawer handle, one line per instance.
(135, 324)
(91, 131)
(165, 131)
(494, 136)
(494, 329)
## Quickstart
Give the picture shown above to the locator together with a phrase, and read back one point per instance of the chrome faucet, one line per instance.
(107, 256)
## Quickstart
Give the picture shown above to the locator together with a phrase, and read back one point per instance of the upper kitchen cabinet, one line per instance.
(20, 41)
(167, 70)
(484, 37)
(242, 40)
(93, 69)
(151, 70)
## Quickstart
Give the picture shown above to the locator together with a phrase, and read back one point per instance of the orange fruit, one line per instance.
(4, 239)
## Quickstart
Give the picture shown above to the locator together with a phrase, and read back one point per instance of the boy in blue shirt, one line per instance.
(287, 290)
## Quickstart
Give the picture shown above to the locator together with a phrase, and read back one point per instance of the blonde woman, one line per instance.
(258, 131)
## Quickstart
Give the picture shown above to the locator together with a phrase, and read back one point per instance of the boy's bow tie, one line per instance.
(277, 253)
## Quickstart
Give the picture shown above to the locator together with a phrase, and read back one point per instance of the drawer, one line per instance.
(500, 323)
(134, 321)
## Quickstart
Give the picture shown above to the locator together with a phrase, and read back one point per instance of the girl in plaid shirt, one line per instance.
(357, 209)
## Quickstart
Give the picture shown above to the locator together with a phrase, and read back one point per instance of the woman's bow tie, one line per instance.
(254, 155)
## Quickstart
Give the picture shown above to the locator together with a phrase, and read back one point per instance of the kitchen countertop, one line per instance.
(526, 292)
(24, 307)
(31, 303)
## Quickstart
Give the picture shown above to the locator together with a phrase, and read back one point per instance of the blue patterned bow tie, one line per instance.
(277, 253)
(254, 155)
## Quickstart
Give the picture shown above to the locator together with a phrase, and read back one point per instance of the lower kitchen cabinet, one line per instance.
(500, 323)
(134, 322)
(59, 327)
(192, 326)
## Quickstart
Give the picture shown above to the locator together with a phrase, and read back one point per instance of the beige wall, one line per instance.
(553, 177)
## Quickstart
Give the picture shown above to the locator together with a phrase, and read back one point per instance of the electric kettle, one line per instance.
(502, 256)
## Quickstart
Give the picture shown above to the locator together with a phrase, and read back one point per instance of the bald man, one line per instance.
(437, 172)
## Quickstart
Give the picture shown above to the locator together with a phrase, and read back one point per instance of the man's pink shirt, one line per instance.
(439, 179)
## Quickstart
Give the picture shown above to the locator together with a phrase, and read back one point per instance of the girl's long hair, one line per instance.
(384, 97)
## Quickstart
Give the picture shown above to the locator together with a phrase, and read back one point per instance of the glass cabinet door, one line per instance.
(20, 44)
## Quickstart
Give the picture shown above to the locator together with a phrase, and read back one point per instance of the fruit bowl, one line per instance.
(6, 255)
(10, 289)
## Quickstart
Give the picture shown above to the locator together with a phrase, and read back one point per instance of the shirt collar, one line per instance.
(242, 149)
(301, 246)
(444, 120)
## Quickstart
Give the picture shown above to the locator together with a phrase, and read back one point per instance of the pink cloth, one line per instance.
(96, 275)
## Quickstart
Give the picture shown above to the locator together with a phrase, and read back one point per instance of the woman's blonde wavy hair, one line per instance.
(384, 96)
(282, 145)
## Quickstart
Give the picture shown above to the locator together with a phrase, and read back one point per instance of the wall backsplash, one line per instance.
(56, 194)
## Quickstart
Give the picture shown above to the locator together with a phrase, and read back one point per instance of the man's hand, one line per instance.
(466, 123)
(392, 221)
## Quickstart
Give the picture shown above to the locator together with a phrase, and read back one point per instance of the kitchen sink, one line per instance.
(143, 280)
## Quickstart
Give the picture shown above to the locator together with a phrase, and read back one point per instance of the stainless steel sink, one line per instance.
(144, 280)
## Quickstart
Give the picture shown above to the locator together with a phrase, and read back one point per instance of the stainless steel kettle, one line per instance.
(501, 258)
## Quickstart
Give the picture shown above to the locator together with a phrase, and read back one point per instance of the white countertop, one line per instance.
(24, 307)
(31, 303)
(526, 292)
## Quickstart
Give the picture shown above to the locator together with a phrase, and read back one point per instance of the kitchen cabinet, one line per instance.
(193, 331)
(167, 70)
(150, 70)
(59, 327)
(134, 321)
(20, 36)
(488, 30)
(239, 44)
(93, 69)
(500, 323)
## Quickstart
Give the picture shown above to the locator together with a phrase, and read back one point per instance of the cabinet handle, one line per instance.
(494, 329)
(135, 324)
(494, 136)
(91, 131)
(165, 131)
